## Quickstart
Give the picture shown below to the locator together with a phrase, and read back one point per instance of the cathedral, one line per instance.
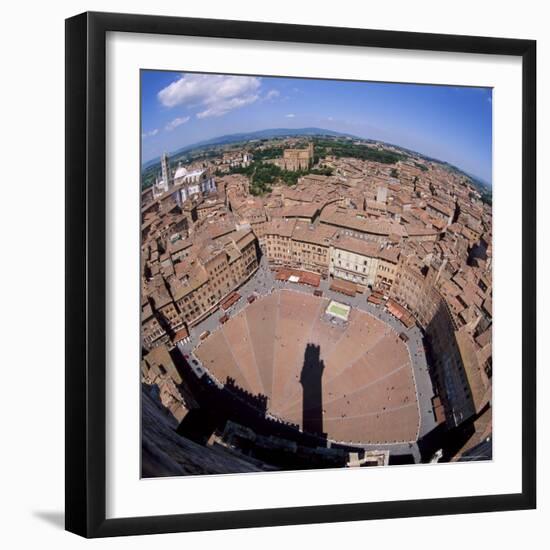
(183, 182)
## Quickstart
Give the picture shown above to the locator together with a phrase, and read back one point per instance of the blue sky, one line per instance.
(449, 123)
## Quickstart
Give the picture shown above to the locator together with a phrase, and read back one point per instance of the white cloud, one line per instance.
(151, 133)
(290, 115)
(272, 94)
(217, 94)
(178, 121)
(222, 107)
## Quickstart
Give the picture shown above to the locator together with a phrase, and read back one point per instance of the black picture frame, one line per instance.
(86, 274)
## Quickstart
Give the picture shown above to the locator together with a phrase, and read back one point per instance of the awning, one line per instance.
(345, 287)
(182, 334)
(232, 299)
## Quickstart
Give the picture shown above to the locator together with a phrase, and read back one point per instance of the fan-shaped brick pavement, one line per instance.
(368, 387)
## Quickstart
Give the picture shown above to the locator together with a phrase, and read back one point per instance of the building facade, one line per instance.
(298, 159)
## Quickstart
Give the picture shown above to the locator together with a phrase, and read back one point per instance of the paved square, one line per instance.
(367, 383)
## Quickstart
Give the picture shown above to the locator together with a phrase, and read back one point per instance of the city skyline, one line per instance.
(449, 123)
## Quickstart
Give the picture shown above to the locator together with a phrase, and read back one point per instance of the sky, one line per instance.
(449, 123)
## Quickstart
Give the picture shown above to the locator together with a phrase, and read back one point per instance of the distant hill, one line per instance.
(482, 185)
(248, 136)
(268, 134)
(271, 133)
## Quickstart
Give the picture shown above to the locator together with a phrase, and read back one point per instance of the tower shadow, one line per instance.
(312, 386)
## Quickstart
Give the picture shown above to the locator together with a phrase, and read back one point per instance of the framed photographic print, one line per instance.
(300, 274)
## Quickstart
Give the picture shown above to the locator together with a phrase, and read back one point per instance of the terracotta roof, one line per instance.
(472, 368)
(357, 246)
(419, 230)
(315, 234)
(352, 220)
(283, 228)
